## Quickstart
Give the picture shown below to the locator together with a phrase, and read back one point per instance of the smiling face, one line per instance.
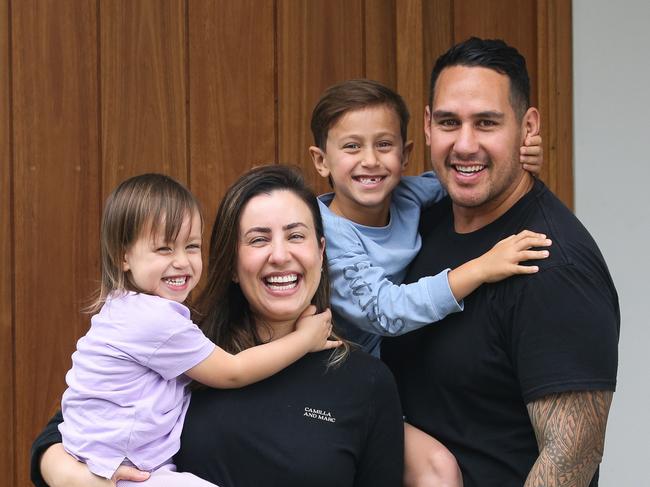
(364, 156)
(166, 269)
(474, 137)
(279, 257)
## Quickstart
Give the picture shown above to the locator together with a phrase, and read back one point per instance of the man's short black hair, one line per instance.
(492, 54)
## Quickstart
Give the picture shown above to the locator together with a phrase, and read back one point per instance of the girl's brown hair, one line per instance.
(223, 312)
(152, 202)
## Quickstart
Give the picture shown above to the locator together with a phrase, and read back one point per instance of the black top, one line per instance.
(466, 380)
(306, 425)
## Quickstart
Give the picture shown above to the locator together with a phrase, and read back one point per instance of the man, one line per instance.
(518, 386)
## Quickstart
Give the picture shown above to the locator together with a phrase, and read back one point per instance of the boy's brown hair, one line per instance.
(354, 94)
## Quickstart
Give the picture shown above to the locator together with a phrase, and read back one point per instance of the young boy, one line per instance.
(371, 226)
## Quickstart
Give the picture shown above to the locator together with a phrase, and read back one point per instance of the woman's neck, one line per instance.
(272, 330)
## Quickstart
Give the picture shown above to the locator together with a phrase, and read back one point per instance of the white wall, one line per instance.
(611, 60)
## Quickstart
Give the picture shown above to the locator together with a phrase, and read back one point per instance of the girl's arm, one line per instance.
(499, 262)
(225, 370)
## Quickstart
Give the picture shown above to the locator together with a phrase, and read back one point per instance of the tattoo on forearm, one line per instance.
(570, 431)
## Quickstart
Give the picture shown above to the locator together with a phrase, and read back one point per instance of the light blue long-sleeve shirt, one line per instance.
(367, 266)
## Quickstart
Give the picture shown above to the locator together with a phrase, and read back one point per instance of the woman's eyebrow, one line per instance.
(257, 230)
(289, 226)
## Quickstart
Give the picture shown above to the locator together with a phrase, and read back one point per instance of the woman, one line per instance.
(332, 418)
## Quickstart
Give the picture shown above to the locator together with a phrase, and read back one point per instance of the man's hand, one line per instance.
(570, 431)
(129, 473)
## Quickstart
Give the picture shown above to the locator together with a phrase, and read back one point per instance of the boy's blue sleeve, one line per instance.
(424, 189)
(363, 296)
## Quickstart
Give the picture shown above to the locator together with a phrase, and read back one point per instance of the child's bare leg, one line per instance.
(427, 463)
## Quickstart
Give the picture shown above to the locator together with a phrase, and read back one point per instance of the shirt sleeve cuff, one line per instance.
(442, 299)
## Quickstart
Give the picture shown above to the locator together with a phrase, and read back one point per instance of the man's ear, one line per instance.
(427, 125)
(530, 123)
(318, 158)
(406, 153)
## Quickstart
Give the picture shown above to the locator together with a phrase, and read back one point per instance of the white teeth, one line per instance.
(282, 283)
(282, 287)
(469, 169)
(282, 279)
(369, 180)
(176, 281)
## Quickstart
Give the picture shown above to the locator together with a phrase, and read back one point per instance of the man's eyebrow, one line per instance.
(489, 114)
(442, 114)
(438, 114)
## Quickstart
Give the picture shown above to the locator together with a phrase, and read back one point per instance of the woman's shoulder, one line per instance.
(363, 368)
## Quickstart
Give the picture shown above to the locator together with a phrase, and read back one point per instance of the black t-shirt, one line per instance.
(304, 426)
(308, 425)
(466, 379)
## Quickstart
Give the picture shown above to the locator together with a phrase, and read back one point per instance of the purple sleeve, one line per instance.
(181, 351)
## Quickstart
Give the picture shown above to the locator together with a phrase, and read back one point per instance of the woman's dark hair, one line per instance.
(492, 54)
(223, 313)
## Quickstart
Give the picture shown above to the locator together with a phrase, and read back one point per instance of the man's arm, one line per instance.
(570, 431)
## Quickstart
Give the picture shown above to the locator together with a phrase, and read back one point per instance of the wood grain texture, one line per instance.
(6, 260)
(232, 109)
(54, 45)
(511, 20)
(411, 74)
(437, 26)
(320, 43)
(143, 89)
(555, 99)
(94, 91)
(380, 41)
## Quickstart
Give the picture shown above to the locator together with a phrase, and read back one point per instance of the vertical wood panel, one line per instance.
(380, 41)
(511, 20)
(320, 43)
(438, 28)
(438, 31)
(411, 73)
(6, 262)
(232, 94)
(555, 100)
(201, 90)
(142, 89)
(56, 207)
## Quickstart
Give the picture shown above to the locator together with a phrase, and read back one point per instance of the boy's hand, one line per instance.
(317, 328)
(503, 259)
(531, 154)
